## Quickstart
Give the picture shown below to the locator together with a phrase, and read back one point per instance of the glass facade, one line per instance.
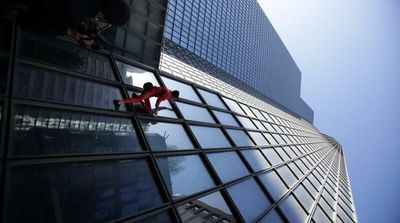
(68, 156)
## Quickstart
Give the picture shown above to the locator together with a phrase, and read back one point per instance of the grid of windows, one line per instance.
(236, 37)
(71, 157)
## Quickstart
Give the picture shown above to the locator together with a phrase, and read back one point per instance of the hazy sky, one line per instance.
(349, 55)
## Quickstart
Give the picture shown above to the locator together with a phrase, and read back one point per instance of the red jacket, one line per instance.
(161, 93)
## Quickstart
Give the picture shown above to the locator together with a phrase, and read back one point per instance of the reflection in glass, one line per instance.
(292, 210)
(255, 159)
(39, 131)
(65, 55)
(247, 110)
(270, 139)
(184, 175)
(249, 199)
(233, 106)
(274, 184)
(212, 99)
(304, 197)
(272, 216)
(166, 136)
(226, 118)
(211, 208)
(258, 138)
(282, 153)
(195, 113)
(210, 137)
(287, 175)
(81, 192)
(279, 139)
(42, 84)
(185, 91)
(246, 122)
(259, 125)
(257, 113)
(272, 156)
(240, 138)
(228, 166)
(135, 76)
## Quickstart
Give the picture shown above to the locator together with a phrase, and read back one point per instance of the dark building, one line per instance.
(224, 152)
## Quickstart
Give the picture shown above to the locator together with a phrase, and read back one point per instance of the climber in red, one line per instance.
(149, 91)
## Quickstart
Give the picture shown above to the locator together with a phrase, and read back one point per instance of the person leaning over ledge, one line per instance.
(62, 17)
(149, 91)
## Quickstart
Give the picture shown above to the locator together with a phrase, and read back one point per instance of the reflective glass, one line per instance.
(289, 151)
(287, 175)
(247, 110)
(240, 138)
(228, 166)
(282, 153)
(42, 84)
(272, 156)
(184, 175)
(226, 118)
(304, 197)
(38, 131)
(212, 99)
(271, 217)
(185, 91)
(166, 136)
(259, 125)
(279, 139)
(257, 113)
(292, 210)
(135, 76)
(195, 113)
(274, 184)
(233, 106)
(65, 55)
(246, 122)
(269, 127)
(258, 138)
(270, 139)
(163, 217)
(255, 159)
(249, 199)
(80, 192)
(211, 208)
(295, 169)
(320, 216)
(210, 137)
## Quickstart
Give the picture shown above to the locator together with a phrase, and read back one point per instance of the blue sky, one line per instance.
(349, 55)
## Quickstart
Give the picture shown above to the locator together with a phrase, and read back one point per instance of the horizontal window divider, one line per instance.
(218, 150)
(204, 124)
(168, 153)
(67, 158)
(71, 108)
(128, 61)
(197, 195)
(142, 116)
(64, 71)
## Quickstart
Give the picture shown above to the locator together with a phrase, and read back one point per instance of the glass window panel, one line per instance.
(226, 118)
(282, 153)
(259, 125)
(272, 156)
(246, 122)
(314, 181)
(228, 166)
(166, 136)
(272, 217)
(255, 159)
(135, 76)
(163, 217)
(304, 197)
(185, 91)
(325, 205)
(233, 106)
(301, 165)
(191, 112)
(247, 110)
(3, 72)
(81, 192)
(320, 216)
(287, 175)
(310, 187)
(212, 99)
(210, 137)
(290, 152)
(240, 138)
(249, 199)
(258, 138)
(279, 139)
(178, 174)
(269, 127)
(292, 210)
(274, 184)
(257, 113)
(211, 208)
(296, 170)
(42, 84)
(51, 132)
(270, 139)
(65, 55)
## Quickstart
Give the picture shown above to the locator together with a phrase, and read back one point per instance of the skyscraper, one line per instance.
(224, 152)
